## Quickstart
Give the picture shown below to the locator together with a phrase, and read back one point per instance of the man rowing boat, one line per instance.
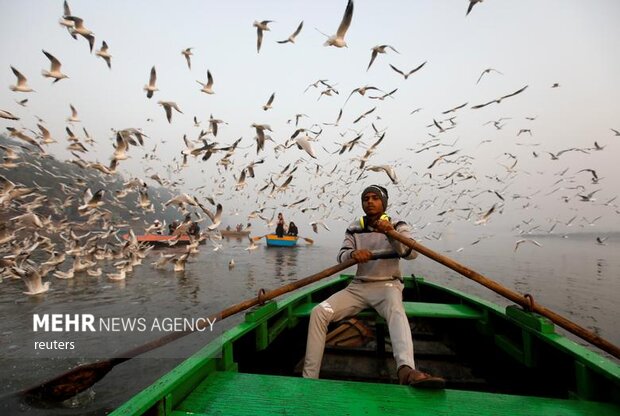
(377, 284)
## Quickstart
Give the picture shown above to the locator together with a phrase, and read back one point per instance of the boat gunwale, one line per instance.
(595, 361)
(164, 386)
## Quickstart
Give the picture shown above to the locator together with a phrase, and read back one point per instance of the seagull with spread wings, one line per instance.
(67, 23)
(22, 82)
(260, 28)
(80, 29)
(526, 240)
(208, 87)
(377, 50)
(151, 88)
(269, 102)
(74, 115)
(413, 71)
(485, 218)
(452, 110)
(361, 91)
(7, 115)
(54, 71)
(187, 53)
(46, 135)
(499, 100)
(32, 278)
(487, 71)
(216, 218)
(389, 170)
(168, 106)
(303, 143)
(472, 3)
(291, 38)
(337, 40)
(103, 53)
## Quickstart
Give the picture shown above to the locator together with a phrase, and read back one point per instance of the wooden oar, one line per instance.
(84, 376)
(259, 237)
(307, 240)
(510, 294)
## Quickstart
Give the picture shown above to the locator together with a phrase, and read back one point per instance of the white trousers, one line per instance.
(385, 297)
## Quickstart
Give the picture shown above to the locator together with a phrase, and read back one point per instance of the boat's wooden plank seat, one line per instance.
(413, 310)
(228, 393)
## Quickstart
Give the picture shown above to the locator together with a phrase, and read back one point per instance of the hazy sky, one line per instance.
(533, 43)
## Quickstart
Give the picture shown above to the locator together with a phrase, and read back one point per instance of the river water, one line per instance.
(573, 276)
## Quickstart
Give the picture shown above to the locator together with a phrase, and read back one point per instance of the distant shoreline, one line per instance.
(577, 234)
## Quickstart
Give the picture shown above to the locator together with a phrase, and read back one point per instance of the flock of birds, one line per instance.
(35, 225)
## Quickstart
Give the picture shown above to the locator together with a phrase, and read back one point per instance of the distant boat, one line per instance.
(285, 241)
(160, 239)
(233, 233)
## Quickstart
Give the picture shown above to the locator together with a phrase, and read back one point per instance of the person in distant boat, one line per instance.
(172, 226)
(377, 284)
(239, 227)
(280, 225)
(194, 229)
(228, 228)
(157, 227)
(292, 229)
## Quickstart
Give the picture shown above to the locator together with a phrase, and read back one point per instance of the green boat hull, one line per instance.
(497, 361)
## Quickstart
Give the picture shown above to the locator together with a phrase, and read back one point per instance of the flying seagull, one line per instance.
(32, 278)
(74, 115)
(269, 102)
(168, 106)
(187, 53)
(80, 29)
(452, 110)
(337, 40)
(377, 50)
(22, 82)
(208, 87)
(103, 53)
(527, 240)
(54, 71)
(291, 38)
(150, 88)
(260, 27)
(485, 218)
(389, 170)
(7, 115)
(472, 3)
(499, 100)
(303, 143)
(67, 23)
(487, 71)
(413, 71)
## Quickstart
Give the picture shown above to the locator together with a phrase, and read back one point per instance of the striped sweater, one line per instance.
(387, 250)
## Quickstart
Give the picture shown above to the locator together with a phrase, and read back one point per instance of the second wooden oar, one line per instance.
(84, 376)
(509, 294)
(258, 237)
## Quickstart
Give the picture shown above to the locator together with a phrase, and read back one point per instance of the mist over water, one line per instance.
(573, 276)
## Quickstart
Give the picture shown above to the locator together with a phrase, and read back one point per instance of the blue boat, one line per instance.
(285, 241)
